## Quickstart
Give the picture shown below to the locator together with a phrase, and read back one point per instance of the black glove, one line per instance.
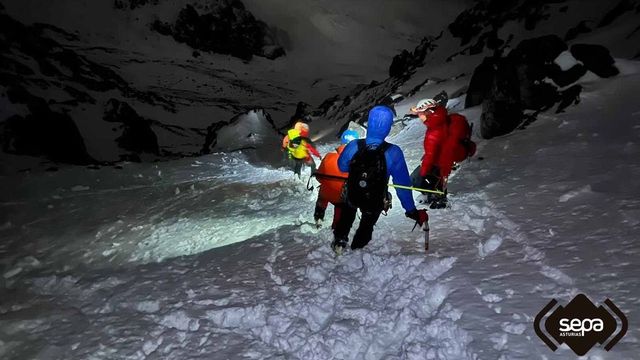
(420, 216)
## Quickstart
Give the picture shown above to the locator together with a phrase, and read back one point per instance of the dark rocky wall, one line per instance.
(226, 29)
(508, 85)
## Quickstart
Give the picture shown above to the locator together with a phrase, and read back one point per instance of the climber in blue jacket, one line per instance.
(370, 162)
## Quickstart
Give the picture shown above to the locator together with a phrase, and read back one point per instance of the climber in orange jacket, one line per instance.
(332, 181)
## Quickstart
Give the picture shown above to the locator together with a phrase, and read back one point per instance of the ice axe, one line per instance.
(425, 229)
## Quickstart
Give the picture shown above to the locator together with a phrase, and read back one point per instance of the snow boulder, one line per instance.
(254, 133)
(595, 58)
(137, 135)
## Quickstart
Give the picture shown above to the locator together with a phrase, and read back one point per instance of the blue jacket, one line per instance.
(379, 126)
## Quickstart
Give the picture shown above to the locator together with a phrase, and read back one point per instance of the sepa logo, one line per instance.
(581, 325)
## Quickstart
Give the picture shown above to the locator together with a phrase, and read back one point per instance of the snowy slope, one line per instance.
(116, 266)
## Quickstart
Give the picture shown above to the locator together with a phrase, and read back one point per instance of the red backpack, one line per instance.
(460, 134)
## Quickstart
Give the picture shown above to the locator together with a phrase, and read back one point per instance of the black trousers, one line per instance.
(298, 163)
(365, 230)
(432, 181)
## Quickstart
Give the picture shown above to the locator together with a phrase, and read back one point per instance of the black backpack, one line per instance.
(367, 182)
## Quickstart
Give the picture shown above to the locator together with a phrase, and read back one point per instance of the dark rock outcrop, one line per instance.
(581, 28)
(508, 85)
(132, 4)
(621, 8)
(540, 50)
(56, 83)
(480, 82)
(567, 77)
(43, 132)
(570, 96)
(405, 62)
(478, 26)
(137, 135)
(60, 64)
(595, 58)
(502, 109)
(301, 114)
(227, 29)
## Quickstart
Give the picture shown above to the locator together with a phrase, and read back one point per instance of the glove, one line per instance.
(420, 216)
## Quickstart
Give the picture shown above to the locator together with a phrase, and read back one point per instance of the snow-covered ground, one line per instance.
(129, 264)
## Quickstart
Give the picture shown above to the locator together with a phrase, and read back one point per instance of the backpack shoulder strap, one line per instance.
(384, 147)
(361, 144)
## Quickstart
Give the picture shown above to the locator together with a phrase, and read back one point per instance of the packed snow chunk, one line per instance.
(251, 131)
(572, 194)
(148, 306)
(276, 279)
(181, 321)
(238, 317)
(515, 329)
(499, 341)
(556, 275)
(433, 298)
(13, 272)
(490, 246)
(316, 274)
(317, 316)
(492, 298)
(565, 60)
(152, 345)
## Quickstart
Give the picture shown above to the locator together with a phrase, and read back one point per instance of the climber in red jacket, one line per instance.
(447, 140)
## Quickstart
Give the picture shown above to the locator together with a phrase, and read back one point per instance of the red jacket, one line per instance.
(454, 149)
(434, 138)
(312, 150)
(444, 142)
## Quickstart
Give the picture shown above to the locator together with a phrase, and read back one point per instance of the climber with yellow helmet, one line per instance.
(300, 148)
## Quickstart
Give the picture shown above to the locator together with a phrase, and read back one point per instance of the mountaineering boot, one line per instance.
(338, 245)
(439, 202)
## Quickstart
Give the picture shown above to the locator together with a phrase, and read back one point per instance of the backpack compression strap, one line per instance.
(362, 144)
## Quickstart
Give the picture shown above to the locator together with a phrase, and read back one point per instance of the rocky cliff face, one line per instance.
(48, 81)
(516, 59)
(227, 28)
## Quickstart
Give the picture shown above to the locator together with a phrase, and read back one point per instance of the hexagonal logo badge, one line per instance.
(580, 324)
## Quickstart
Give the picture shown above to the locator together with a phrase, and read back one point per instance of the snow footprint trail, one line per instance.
(257, 301)
(503, 281)
(366, 304)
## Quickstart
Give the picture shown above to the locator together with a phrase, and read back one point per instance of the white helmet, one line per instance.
(424, 105)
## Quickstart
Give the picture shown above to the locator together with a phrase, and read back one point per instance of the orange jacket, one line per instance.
(331, 184)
